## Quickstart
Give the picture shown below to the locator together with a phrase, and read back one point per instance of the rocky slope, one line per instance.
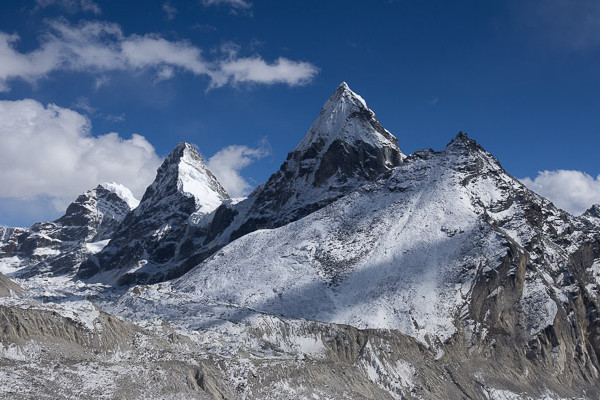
(378, 276)
(344, 148)
(58, 247)
(147, 241)
(449, 250)
(8, 288)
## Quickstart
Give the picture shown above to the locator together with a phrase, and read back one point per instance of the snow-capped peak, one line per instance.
(196, 179)
(346, 116)
(122, 191)
(185, 171)
(343, 90)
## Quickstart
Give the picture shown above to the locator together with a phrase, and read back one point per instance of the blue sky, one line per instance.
(245, 79)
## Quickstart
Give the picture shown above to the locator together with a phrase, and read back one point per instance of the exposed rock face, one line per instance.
(59, 247)
(345, 147)
(171, 231)
(48, 355)
(146, 242)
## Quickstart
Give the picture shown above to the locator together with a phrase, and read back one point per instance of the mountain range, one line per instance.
(355, 271)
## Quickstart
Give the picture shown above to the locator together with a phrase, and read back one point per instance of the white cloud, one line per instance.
(240, 4)
(71, 6)
(101, 47)
(49, 152)
(573, 191)
(169, 10)
(227, 163)
(256, 70)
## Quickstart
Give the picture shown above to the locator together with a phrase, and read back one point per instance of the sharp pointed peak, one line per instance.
(346, 117)
(184, 145)
(184, 152)
(343, 94)
(593, 211)
(184, 171)
(343, 87)
(181, 148)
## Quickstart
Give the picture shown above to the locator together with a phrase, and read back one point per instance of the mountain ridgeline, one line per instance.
(59, 247)
(355, 271)
(178, 225)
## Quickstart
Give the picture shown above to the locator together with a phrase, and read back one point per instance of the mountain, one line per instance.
(448, 249)
(353, 272)
(168, 234)
(8, 288)
(58, 247)
(344, 148)
(149, 237)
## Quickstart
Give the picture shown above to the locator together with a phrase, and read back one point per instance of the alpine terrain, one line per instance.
(354, 272)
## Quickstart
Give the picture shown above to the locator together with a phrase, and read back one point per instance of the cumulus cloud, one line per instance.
(48, 152)
(573, 191)
(71, 6)
(227, 163)
(101, 47)
(256, 70)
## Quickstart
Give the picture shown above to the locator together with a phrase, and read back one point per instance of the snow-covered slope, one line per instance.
(344, 148)
(354, 272)
(448, 237)
(449, 249)
(388, 257)
(59, 247)
(148, 239)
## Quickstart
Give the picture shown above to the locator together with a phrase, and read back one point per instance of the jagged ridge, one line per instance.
(58, 247)
(145, 243)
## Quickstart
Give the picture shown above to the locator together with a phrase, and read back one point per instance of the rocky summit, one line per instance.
(149, 237)
(58, 247)
(345, 147)
(354, 272)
